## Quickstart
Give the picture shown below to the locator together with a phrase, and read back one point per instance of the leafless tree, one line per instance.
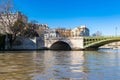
(6, 15)
(98, 33)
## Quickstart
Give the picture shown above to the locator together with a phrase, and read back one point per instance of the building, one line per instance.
(80, 31)
(41, 29)
(53, 33)
(7, 20)
(64, 32)
(84, 31)
(61, 32)
(56, 33)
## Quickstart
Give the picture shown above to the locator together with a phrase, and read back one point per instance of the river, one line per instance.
(103, 64)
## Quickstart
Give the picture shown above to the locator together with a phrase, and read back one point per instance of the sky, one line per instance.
(97, 15)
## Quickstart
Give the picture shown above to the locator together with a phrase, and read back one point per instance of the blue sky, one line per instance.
(97, 15)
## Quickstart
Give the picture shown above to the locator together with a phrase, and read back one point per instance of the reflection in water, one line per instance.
(60, 65)
(69, 65)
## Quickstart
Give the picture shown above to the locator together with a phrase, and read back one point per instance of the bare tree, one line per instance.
(98, 33)
(6, 15)
(29, 30)
(17, 29)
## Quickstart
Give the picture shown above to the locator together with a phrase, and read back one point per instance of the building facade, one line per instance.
(64, 32)
(80, 31)
(52, 33)
(41, 29)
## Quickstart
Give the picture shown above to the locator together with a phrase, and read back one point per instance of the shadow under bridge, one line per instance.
(60, 45)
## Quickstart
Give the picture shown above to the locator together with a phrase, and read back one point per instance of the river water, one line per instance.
(103, 64)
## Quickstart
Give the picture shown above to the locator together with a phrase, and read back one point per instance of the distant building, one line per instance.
(64, 32)
(42, 30)
(68, 33)
(80, 31)
(58, 32)
(84, 31)
(61, 32)
(53, 33)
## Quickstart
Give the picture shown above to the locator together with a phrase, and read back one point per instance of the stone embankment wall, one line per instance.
(28, 43)
(112, 45)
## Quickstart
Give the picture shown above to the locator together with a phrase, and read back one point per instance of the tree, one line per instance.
(10, 22)
(98, 33)
(6, 18)
(29, 31)
(17, 29)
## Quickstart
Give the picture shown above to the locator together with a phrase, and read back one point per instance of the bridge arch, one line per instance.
(101, 43)
(60, 45)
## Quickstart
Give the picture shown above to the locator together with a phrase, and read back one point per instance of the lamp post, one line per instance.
(115, 31)
(116, 36)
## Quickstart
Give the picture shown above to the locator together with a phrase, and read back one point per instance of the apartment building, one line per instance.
(80, 31)
(41, 29)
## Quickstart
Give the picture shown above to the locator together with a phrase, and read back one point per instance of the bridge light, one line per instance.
(115, 31)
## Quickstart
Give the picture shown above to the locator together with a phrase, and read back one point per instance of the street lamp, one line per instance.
(116, 35)
(115, 31)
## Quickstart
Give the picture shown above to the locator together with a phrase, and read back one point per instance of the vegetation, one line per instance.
(6, 8)
(98, 33)
(21, 29)
(10, 24)
(29, 31)
(17, 29)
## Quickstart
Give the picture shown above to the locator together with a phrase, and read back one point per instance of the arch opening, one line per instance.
(60, 45)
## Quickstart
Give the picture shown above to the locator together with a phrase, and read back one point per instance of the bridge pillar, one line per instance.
(77, 43)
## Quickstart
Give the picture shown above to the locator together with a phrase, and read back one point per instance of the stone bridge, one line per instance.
(78, 43)
(64, 43)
